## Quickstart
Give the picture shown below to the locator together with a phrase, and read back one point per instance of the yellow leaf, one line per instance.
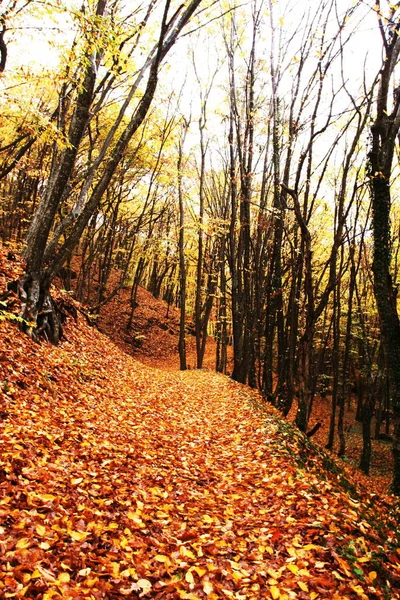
(200, 572)
(207, 587)
(135, 518)
(44, 545)
(359, 591)
(273, 574)
(161, 558)
(64, 577)
(187, 595)
(125, 573)
(293, 568)
(76, 481)
(185, 553)
(275, 593)
(303, 586)
(372, 575)
(40, 530)
(84, 572)
(189, 577)
(36, 574)
(207, 519)
(314, 595)
(23, 543)
(46, 497)
(78, 536)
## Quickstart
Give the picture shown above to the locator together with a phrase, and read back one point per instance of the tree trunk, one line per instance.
(182, 262)
(384, 134)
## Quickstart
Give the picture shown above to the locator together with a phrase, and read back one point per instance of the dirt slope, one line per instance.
(153, 337)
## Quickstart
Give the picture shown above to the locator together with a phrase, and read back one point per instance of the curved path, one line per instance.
(121, 481)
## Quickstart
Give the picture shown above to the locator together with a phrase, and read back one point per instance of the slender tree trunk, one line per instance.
(182, 262)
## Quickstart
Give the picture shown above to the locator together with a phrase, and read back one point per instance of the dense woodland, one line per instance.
(240, 161)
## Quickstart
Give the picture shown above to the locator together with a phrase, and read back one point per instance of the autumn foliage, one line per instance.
(120, 480)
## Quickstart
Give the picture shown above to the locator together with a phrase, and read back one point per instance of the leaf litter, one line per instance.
(123, 481)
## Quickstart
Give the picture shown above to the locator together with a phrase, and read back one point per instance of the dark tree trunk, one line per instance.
(367, 414)
(384, 134)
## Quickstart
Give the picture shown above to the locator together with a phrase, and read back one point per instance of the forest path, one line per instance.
(227, 512)
(119, 480)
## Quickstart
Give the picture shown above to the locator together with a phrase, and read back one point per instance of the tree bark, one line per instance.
(384, 134)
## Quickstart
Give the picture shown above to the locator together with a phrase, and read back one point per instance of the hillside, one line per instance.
(119, 480)
(153, 337)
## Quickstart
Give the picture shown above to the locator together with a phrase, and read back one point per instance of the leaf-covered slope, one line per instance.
(117, 480)
(153, 337)
(122, 481)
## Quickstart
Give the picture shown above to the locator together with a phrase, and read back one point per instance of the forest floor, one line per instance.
(121, 480)
(153, 339)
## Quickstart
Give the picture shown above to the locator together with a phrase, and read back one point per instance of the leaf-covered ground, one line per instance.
(122, 481)
(153, 339)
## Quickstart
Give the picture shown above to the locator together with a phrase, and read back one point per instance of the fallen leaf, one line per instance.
(207, 587)
(275, 592)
